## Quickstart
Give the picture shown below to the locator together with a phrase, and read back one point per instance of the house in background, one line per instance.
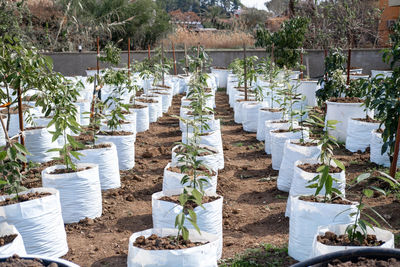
(390, 13)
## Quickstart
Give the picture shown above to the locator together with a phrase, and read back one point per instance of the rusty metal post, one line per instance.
(174, 57)
(245, 72)
(129, 56)
(393, 167)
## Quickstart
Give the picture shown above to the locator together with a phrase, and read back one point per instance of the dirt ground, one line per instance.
(253, 206)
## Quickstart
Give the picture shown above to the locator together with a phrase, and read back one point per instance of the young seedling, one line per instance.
(324, 179)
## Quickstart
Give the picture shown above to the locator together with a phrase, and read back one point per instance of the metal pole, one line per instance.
(393, 167)
(245, 72)
(173, 54)
(186, 61)
(98, 56)
(301, 63)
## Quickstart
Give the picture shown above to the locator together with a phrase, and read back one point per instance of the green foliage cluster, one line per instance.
(286, 42)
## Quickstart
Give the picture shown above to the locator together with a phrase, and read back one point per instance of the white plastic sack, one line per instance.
(376, 148)
(125, 145)
(215, 161)
(80, 192)
(165, 101)
(222, 75)
(39, 221)
(301, 180)
(16, 246)
(212, 139)
(265, 115)
(126, 127)
(239, 110)
(200, 256)
(84, 111)
(322, 249)
(306, 217)
(277, 144)
(209, 219)
(382, 73)
(172, 181)
(2, 135)
(273, 125)
(107, 160)
(38, 142)
(155, 109)
(308, 89)
(213, 125)
(142, 119)
(292, 153)
(342, 112)
(359, 134)
(250, 116)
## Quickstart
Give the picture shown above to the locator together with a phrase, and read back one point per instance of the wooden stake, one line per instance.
(148, 51)
(98, 56)
(21, 121)
(301, 63)
(348, 66)
(325, 52)
(186, 61)
(162, 64)
(174, 57)
(393, 167)
(129, 56)
(245, 72)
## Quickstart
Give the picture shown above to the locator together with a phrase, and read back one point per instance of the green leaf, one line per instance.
(368, 193)
(339, 164)
(363, 177)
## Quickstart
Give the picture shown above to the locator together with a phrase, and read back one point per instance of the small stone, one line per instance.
(130, 198)
(236, 211)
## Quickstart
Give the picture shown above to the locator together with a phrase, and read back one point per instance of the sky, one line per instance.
(255, 3)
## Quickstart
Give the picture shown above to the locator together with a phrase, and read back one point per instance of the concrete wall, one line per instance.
(71, 64)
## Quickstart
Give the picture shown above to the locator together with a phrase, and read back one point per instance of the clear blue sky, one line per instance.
(255, 3)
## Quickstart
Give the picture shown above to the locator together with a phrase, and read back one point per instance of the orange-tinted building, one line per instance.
(390, 13)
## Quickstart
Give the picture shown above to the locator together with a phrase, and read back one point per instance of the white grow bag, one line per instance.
(212, 139)
(291, 154)
(265, 115)
(306, 217)
(209, 219)
(80, 192)
(213, 125)
(342, 112)
(301, 180)
(222, 75)
(274, 125)
(172, 181)
(239, 110)
(142, 119)
(107, 160)
(215, 161)
(154, 109)
(84, 111)
(278, 142)
(250, 116)
(322, 249)
(126, 127)
(125, 145)
(359, 134)
(38, 143)
(308, 89)
(16, 246)
(376, 149)
(39, 221)
(200, 256)
(382, 73)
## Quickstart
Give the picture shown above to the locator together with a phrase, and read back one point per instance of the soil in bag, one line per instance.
(320, 199)
(64, 170)
(115, 133)
(5, 240)
(312, 168)
(367, 119)
(306, 144)
(190, 172)
(16, 261)
(346, 100)
(331, 239)
(366, 262)
(189, 204)
(23, 198)
(155, 242)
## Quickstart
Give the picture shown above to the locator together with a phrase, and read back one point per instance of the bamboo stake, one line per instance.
(301, 63)
(245, 72)
(186, 61)
(174, 57)
(393, 167)
(129, 56)
(162, 64)
(348, 66)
